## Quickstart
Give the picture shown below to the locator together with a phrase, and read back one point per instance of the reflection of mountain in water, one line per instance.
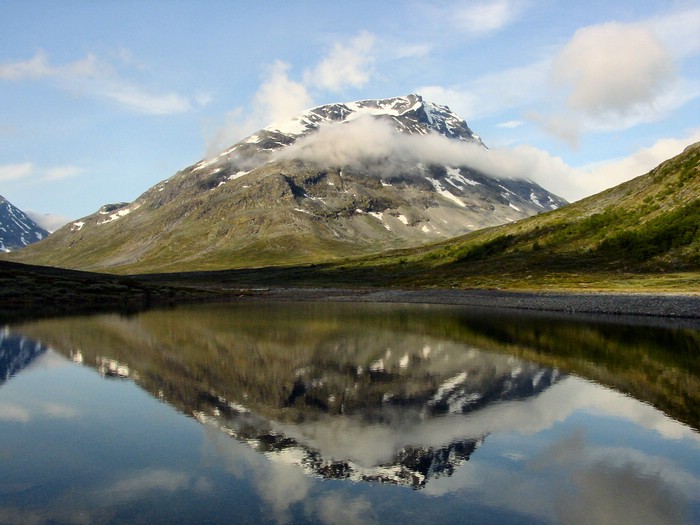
(345, 396)
(482, 379)
(16, 353)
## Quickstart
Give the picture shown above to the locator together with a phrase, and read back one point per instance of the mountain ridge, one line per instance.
(298, 192)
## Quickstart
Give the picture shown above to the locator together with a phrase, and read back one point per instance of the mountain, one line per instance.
(642, 234)
(16, 229)
(648, 225)
(338, 180)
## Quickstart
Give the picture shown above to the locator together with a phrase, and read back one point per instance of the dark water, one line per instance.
(304, 413)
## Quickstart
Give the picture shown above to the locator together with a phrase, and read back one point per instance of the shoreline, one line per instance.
(666, 306)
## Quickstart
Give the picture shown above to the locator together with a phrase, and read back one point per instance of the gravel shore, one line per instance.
(678, 306)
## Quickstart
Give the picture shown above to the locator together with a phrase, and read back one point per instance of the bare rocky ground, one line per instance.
(679, 306)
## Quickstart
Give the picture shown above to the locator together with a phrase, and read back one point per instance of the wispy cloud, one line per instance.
(39, 67)
(479, 18)
(510, 124)
(98, 78)
(140, 100)
(28, 170)
(10, 172)
(62, 172)
(49, 221)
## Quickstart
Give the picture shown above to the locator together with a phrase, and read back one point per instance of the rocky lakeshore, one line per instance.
(680, 306)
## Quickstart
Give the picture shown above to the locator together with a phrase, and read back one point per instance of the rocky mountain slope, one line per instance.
(644, 233)
(16, 229)
(336, 181)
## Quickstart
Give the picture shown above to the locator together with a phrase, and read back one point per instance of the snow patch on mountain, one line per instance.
(17, 230)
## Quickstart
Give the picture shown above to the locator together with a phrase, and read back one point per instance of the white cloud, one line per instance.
(62, 172)
(510, 124)
(613, 69)
(26, 170)
(611, 173)
(368, 139)
(10, 172)
(565, 126)
(279, 97)
(574, 183)
(98, 78)
(136, 98)
(50, 222)
(38, 67)
(485, 17)
(346, 65)
(402, 50)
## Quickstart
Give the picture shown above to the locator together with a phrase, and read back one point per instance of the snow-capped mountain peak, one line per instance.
(16, 229)
(410, 114)
(337, 180)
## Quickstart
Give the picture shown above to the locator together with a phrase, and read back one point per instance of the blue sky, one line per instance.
(103, 99)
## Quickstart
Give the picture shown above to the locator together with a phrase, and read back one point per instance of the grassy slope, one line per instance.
(644, 233)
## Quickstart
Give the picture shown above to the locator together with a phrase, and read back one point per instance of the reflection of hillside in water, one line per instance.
(363, 396)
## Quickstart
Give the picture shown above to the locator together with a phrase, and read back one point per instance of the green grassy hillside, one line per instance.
(643, 234)
(647, 228)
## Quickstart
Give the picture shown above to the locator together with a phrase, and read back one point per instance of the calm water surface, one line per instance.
(338, 413)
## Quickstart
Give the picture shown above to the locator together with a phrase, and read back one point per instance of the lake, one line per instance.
(260, 412)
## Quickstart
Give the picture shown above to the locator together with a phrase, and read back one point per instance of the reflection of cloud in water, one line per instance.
(370, 444)
(283, 485)
(14, 412)
(139, 483)
(30, 410)
(50, 360)
(555, 405)
(611, 494)
(611, 486)
(334, 509)
(580, 482)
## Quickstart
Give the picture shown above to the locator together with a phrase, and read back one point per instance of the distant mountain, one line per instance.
(338, 180)
(17, 230)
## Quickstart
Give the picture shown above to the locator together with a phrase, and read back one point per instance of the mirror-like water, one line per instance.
(338, 413)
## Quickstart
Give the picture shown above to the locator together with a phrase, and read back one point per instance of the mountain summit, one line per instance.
(335, 181)
(16, 229)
